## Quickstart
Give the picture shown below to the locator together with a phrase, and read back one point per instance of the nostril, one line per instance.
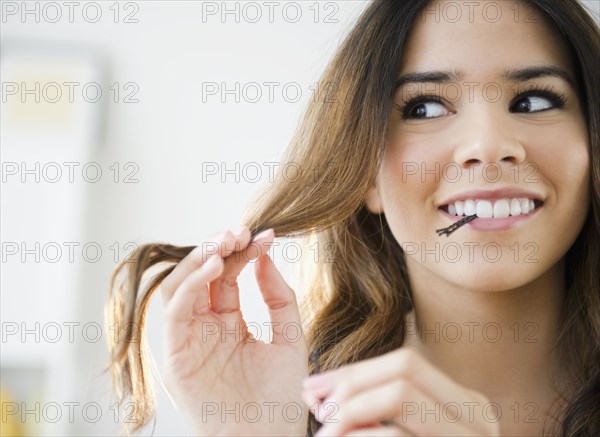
(510, 160)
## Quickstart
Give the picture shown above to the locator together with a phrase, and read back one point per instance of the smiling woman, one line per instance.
(494, 332)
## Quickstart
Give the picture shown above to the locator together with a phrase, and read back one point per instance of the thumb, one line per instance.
(281, 300)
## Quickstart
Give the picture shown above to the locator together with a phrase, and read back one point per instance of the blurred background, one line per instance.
(124, 123)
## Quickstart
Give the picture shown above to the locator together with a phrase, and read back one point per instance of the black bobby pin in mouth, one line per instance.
(453, 227)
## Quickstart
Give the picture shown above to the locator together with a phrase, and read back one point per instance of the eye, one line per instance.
(423, 107)
(538, 101)
(533, 104)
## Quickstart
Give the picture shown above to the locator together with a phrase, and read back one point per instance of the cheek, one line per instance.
(412, 163)
(562, 161)
(408, 179)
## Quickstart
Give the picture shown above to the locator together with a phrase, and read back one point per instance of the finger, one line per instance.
(403, 363)
(281, 301)
(224, 290)
(189, 301)
(191, 297)
(404, 402)
(222, 244)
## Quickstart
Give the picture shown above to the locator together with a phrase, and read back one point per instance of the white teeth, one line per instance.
(515, 207)
(460, 207)
(484, 209)
(470, 207)
(500, 208)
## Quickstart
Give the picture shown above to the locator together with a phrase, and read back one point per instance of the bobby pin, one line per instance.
(453, 227)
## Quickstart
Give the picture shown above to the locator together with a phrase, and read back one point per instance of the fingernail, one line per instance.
(262, 235)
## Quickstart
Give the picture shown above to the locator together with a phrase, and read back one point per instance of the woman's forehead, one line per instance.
(483, 41)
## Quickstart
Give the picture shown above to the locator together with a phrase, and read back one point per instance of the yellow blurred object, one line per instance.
(10, 424)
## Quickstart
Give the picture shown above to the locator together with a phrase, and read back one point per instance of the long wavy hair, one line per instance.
(355, 307)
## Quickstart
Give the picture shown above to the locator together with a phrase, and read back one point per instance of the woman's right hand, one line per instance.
(225, 381)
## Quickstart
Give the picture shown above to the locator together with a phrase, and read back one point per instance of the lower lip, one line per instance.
(494, 224)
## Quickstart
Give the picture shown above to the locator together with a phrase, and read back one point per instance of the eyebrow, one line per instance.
(526, 74)
(520, 75)
(429, 76)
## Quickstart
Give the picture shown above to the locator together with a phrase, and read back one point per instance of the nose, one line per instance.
(488, 138)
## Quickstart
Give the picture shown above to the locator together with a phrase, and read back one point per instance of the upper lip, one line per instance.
(502, 193)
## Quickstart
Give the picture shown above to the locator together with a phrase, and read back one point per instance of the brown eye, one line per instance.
(538, 101)
(533, 104)
(422, 108)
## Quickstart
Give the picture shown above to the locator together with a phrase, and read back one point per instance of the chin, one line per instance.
(483, 276)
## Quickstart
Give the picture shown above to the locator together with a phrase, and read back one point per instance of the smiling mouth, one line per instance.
(485, 208)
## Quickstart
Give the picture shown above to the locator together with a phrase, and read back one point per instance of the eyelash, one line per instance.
(558, 99)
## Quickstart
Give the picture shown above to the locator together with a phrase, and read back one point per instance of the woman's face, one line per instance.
(501, 126)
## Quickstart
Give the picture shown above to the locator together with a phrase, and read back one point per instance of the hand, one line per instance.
(223, 379)
(396, 394)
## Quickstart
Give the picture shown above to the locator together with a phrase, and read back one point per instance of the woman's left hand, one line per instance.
(397, 394)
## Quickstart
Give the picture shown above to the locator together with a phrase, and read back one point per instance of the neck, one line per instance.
(500, 343)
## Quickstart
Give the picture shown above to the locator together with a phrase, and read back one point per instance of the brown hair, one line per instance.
(357, 305)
